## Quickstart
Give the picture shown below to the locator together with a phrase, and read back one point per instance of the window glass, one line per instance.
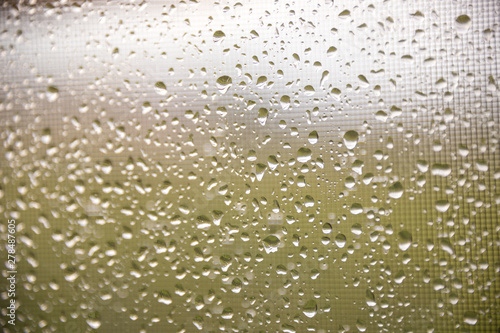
(252, 166)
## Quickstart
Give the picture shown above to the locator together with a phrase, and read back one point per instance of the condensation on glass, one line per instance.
(300, 166)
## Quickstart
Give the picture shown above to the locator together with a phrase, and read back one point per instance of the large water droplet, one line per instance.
(405, 240)
(441, 170)
(442, 206)
(160, 88)
(285, 102)
(340, 240)
(313, 137)
(219, 36)
(396, 190)
(224, 83)
(94, 323)
(470, 317)
(351, 139)
(310, 309)
(261, 82)
(463, 23)
(304, 155)
(271, 243)
(370, 298)
(262, 117)
(356, 208)
(309, 90)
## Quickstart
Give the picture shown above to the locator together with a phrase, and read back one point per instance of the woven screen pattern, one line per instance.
(301, 166)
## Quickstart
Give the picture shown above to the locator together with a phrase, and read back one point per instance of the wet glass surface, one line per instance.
(300, 166)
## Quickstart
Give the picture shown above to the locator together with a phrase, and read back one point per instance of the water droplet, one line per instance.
(304, 155)
(463, 23)
(340, 240)
(271, 243)
(470, 317)
(272, 162)
(261, 82)
(46, 137)
(356, 208)
(203, 222)
(260, 169)
(441, 170)
(285, 102)
(442, 205)
(146, 108)
(396, 190)
(71, 275)
(83, 108)
(399, 277)
(219, 36)
(262, 117)
(370, 298)
(331, 51)
(324, 77)
(166, 187)
(236, 285)
(344, 14)
(405, 240)
(351, 139)
(363, 81)
(224, 83)
(327, 228)
(198, 322)
(93, 323)
(422, 166)
(310, 309)
(356, 229)
(313, 137)
(350, 182)
(107, 166)
(227, 313)
(309, 90)
(52, 94)
(438, 284)
(287, 328)
(160, 88)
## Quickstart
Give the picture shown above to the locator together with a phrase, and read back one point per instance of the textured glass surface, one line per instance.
(253, 166)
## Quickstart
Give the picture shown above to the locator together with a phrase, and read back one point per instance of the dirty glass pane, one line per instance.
(252, 166)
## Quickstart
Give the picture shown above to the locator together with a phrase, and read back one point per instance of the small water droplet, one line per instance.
(46, 136)
(52, 93)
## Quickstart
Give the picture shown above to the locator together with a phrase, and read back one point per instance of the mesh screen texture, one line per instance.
(252, 166)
